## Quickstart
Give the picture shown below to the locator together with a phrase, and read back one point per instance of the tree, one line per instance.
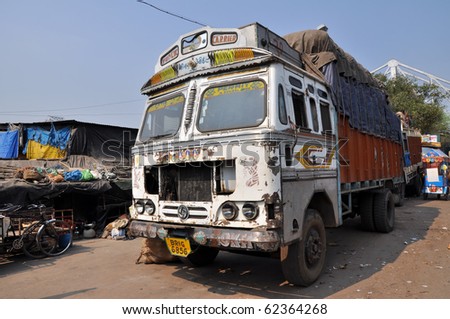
(423, 103)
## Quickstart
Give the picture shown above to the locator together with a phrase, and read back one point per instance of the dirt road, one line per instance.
(411, 262)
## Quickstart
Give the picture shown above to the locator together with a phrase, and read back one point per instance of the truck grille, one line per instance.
(186, 182)
(194, 212)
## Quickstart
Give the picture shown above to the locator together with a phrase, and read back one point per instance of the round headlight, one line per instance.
(250, 211)
(139, 206)
(149, 208)
(229, 210)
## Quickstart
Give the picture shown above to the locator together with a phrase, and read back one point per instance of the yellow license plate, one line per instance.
(178, 246)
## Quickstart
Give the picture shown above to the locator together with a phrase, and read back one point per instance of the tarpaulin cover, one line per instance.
(54, 137)
(433, 152)
(322, 50)
(9, 144)
(20, 192)
(46, 144)
(357, 94)
(36, 150)
(103, 142)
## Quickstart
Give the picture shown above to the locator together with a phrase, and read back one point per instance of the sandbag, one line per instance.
(155, 251)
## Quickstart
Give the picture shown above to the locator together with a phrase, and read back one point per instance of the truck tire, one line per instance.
(201, 256)
(366, 211)
(302, 261)
(384, 211)
(400, 196)
(414, 187)
(418, 185)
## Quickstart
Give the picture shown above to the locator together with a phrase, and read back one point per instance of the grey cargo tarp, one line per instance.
(20, 192)
(358, 95)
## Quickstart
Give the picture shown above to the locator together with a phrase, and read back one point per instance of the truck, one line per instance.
(412, 157)
(255, 143)
(435, 168)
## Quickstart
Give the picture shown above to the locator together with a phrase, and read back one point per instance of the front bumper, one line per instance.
(223, 238)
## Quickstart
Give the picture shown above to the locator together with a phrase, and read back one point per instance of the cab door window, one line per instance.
(314, 117)
(298, 102)
(282, 113)
(326, 118)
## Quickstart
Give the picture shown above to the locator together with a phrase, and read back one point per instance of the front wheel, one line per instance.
(302, 261)
(202, 256)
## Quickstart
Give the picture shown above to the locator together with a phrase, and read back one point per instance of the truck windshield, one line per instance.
(233, 106)
(163, 118)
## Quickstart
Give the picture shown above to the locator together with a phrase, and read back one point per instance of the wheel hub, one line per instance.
(17, 244)
(313, 247)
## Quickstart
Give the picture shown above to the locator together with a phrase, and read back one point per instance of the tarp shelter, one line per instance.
(59, 139)
(66, 148)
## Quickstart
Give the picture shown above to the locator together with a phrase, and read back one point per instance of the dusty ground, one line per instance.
(411, 262)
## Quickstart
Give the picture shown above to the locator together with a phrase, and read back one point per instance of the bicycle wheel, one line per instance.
(28, 242)
(55, 237)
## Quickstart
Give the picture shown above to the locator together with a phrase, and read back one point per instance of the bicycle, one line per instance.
(45, 236)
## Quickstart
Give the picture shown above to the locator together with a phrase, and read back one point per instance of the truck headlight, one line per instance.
(149, 207)
(229, 210)
(139, 206)
(250, 211)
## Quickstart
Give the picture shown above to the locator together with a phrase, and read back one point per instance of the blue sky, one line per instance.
(87, 59)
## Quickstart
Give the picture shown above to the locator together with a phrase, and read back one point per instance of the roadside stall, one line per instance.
(82, 170)
(436, 168)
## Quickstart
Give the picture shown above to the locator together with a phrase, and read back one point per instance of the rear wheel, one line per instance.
(384, 211)
(302, 262)
(417, 184)
(400, 196)
(55, 237)
(28, 242)
(366, 211)
(201, 256)
(414, 187)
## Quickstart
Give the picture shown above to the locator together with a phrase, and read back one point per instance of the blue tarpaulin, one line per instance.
(430, 152)
(9, 144)
(54, 137)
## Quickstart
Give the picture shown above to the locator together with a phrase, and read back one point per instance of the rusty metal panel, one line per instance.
(415, 149)
(366, 157)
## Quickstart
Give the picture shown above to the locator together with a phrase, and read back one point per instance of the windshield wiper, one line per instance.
(158, 136)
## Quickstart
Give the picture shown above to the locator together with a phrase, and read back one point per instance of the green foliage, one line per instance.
(423, 103)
